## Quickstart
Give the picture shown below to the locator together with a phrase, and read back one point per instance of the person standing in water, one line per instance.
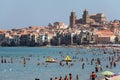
(93, 75)
(24, 61)
(66, 77)
(60, 78)
(77, 78)
(70, 76)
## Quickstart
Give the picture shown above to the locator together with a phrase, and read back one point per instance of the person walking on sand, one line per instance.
(93, 75)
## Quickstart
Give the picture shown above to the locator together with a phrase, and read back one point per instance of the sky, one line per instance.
(24, 13)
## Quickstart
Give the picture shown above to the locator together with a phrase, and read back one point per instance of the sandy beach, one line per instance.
(114, 78)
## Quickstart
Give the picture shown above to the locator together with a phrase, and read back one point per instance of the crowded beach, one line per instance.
(99, 59)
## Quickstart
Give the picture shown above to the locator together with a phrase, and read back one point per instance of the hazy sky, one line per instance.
(24, 13)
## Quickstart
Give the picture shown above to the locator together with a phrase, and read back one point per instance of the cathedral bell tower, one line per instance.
(72, 19)
(86, 18)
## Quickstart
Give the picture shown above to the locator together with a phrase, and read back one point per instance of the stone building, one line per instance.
(2, 37)
(59, 25)
(73, 19)
(86, 18)
(105, 36)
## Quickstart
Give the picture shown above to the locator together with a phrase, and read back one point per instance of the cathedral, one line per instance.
(86, 18)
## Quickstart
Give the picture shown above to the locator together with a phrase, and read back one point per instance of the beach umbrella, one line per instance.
(107, 73)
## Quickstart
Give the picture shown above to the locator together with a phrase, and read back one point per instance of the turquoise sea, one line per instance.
(35, 55)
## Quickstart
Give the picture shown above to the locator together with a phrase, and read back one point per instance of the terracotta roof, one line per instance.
(104, 33)
(2, 31)
(24, 33)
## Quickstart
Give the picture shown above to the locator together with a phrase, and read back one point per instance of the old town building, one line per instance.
(87, 19)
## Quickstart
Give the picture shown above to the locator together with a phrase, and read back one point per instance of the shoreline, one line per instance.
(73, 46)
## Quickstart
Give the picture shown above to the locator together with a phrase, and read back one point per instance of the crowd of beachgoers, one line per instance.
(111, 59)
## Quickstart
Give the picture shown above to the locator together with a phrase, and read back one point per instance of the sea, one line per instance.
(36, 66)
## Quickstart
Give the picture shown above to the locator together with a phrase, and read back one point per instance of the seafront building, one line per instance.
(90, 29)
(105, 36)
